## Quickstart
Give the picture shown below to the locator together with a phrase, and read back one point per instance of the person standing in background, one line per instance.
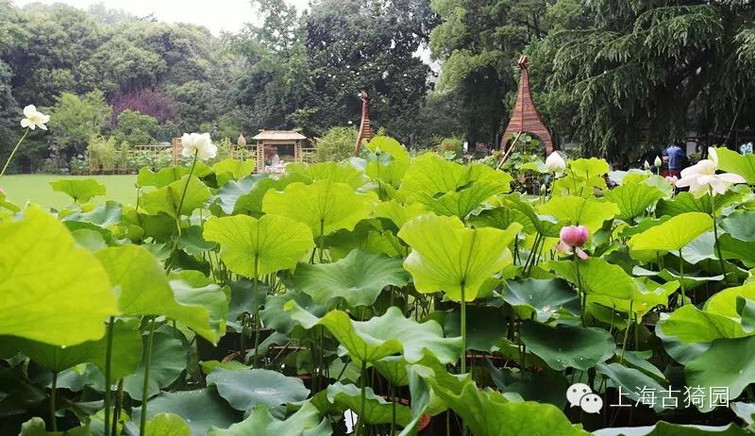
(676, 158)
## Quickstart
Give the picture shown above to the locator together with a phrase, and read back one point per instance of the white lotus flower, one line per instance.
(33, 118)
(555, 163)
(701, 177)
(199, 143)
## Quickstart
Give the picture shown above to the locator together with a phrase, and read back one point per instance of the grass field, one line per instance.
(36, 188)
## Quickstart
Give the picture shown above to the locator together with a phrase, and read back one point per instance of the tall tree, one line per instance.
(369, 45)
(647, 72)
(479, 42)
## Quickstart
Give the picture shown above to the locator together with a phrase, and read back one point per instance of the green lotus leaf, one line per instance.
(144, 289)
(81, 190)
(489, 413)
(679, 350)
(192, 241)
(161, 178)
(596, 276)
(673, 234)
(245, 298)
(639, 360)
(392, 169)
(338, 398)
(587, 168)
(333, 171)
(306, 422)
(324, 206)
(202, 304)
(166, 199)
(545, 225)
(666, 429)
(692, 325)
(540, 298)
(37, 427)
(399, 213)
(484, 327)
(462, 203)
(746, 311)
(232, 169)
(580, 211)
(568, 346)
(733, 162)
(700, 249)
(369, 235)
(547, 386)
(633, 200)
(537, 166)
(46, 280)
(167, 424)
(280, 320)
(104, 215)
(245, 196)
(430, 174)
(201, 409)
(447, 256)
(254, 247)
(690, 280)
(725, 302)
(127, 347)
(646, 296)
(358, 278)
(629, 379)
(246, 389)
(728, 363)
(732, 248)
(381, 336)
(740, 225)
(394, 369)
(501, 218)
(166, 365)
(684, 202)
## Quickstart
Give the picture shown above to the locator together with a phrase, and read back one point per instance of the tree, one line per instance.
(277, 76)
(647, 72)
(356, 45)
(73, 120)
(135, 128)
(51, 53)
(479, 42)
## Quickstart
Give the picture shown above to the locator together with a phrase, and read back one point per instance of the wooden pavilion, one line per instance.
(288, 144)
(526, 118)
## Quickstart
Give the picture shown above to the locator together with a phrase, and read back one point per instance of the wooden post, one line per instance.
(365, 130)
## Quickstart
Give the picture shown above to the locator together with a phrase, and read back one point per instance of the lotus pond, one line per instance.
(381, 296)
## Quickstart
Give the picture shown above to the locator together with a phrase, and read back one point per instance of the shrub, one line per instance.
(337, 144)
(455, 145)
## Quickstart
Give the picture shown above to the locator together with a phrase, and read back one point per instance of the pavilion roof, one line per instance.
(279, 135)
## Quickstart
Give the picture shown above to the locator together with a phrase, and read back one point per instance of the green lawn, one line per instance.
(36, 189)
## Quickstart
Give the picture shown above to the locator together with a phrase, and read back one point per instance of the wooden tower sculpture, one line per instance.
(365, 131)
(526, 117)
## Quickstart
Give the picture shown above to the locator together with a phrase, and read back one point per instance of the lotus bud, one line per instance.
(555, 163)
(658, 162)
(574, 236)
(646, 165)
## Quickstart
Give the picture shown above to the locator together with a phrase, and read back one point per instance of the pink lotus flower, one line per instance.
(572, 239)
(672, 179)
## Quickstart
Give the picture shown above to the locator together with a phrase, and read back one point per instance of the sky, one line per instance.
(216, 15)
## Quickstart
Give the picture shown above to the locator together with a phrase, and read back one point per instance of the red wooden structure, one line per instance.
(526, 117)
(365, 131)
